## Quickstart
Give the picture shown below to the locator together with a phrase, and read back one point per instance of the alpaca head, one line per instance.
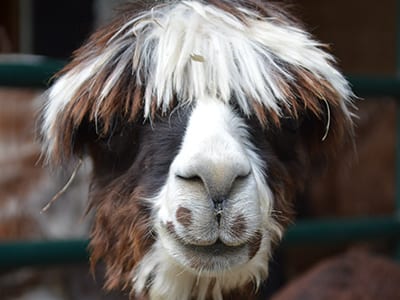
(201, 119)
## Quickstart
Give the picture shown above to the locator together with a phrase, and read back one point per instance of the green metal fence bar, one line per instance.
(36, 253)
(34, 72)
(342, 230)
(375, 86)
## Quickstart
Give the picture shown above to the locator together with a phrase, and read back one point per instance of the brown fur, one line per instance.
(121, 235)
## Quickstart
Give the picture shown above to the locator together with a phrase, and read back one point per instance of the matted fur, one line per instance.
(128, 98)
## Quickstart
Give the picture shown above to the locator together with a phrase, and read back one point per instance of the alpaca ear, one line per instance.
(95, 89)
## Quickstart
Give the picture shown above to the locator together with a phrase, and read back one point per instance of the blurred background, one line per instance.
(349, 210)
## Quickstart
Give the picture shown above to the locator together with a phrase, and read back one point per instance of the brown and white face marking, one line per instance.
(215, 199)
(201, 118)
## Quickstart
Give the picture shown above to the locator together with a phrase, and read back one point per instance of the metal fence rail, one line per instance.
(27, 71)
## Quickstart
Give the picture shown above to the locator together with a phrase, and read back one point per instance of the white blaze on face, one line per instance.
(216, 168)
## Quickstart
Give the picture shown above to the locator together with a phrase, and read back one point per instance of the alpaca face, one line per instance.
(200, 191)
(214, 210)
(201, 119)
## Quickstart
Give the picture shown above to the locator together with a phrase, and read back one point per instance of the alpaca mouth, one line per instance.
(216, 249)
(212, 249)
(214, 258)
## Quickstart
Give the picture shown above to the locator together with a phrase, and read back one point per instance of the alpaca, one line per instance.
(201, 119)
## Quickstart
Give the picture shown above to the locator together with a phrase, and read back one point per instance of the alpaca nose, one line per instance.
(218, 177)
